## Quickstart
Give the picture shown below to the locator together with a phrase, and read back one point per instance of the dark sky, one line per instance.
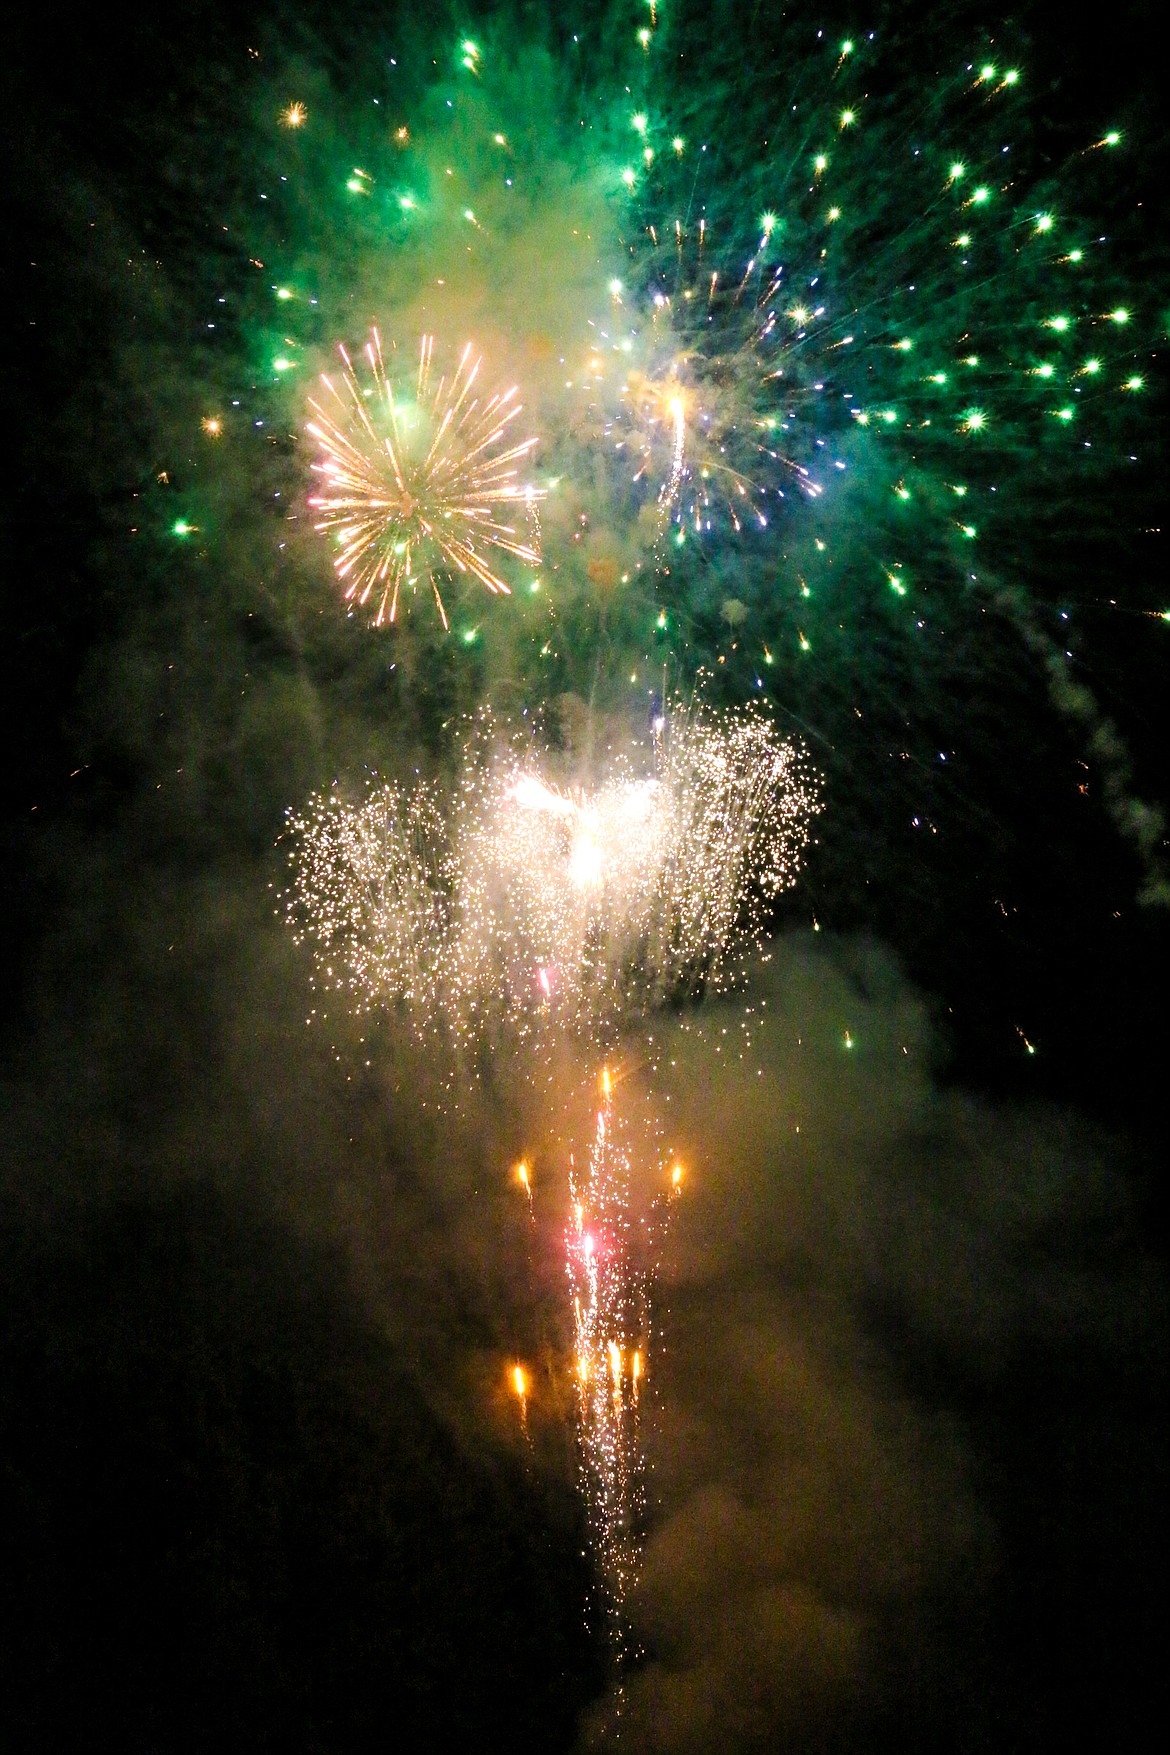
(263, 1486)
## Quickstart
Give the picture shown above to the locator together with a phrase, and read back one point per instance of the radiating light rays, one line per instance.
(413, 486)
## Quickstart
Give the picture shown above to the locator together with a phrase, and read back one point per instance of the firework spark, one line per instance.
(610, 1299)
(413, 487)
(610, 1262)
(518, 907)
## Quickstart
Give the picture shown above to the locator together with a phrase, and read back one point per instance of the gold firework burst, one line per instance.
(415, 487)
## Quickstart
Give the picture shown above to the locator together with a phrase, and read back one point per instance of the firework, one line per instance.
(609, 1289)
(854, 325)
(519, 906)
(414, 486)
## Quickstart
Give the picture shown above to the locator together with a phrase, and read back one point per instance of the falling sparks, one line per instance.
(413, 485)
(515, 905)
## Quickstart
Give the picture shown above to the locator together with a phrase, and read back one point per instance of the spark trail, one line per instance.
(610, 1292)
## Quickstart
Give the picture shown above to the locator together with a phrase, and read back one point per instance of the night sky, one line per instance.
(264, 1482)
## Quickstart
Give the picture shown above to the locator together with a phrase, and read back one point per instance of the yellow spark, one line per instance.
(294, 116)
(212, 425)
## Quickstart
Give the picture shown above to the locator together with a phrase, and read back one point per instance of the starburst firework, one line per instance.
(414, 488)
